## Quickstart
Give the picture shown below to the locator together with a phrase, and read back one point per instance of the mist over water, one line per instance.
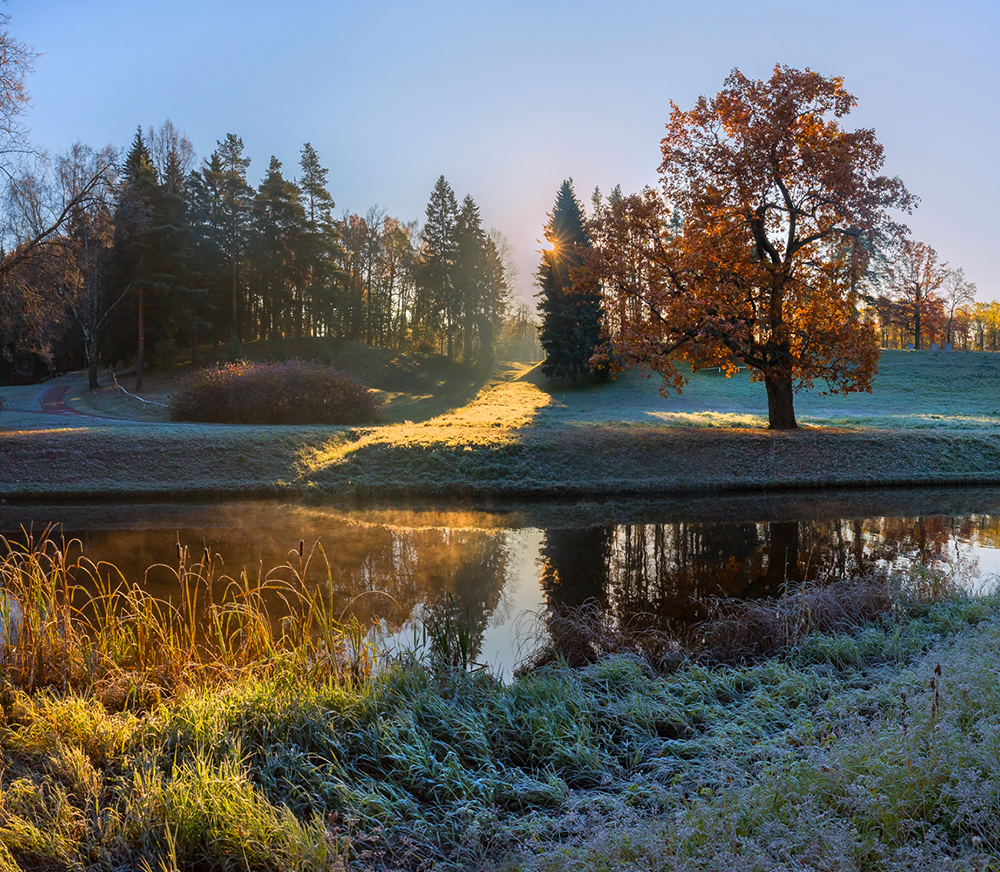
(500, 570)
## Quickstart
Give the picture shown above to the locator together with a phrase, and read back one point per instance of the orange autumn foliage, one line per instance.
(773, 211)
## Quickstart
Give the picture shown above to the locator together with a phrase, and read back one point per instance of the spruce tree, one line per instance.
(436, 271)
(135, 221)
(321, 251)
(571, 314)
(234, 207)
(471, 269)
(209, 264)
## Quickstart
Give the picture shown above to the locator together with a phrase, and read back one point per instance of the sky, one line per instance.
(508, 99)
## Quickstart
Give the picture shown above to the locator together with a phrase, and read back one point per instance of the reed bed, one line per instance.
(243, 725)
(69, 622)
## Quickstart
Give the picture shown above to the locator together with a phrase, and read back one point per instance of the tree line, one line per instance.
(114, 259)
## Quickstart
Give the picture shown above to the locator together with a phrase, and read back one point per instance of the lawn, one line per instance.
(932, 418)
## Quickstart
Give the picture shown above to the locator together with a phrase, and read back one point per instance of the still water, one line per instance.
(658, 561)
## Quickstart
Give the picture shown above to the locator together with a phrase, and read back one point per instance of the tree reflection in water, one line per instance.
(392, 564)
(666, 576)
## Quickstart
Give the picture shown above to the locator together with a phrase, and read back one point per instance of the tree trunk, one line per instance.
(780, 407)
(142, 340)
(90, 352)
(236, 313)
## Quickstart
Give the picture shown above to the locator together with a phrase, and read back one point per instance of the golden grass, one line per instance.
(76, 623)
(494, 418)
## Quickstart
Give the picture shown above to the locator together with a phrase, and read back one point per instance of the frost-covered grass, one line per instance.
(933, 418)
(872, 742)
(912, 390)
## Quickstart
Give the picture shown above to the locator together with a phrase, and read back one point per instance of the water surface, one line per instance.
(661, 562)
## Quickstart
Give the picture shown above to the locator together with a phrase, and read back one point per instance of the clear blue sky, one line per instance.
(507, 99)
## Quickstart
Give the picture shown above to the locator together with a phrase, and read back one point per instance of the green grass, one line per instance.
(933, 418)
(258, 756)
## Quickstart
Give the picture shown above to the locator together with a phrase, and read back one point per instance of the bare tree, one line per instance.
(916, 277)
(36, 254)
(16, 61)
(956, 294)
(89, 291)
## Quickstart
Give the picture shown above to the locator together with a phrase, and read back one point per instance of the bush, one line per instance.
(294, 392)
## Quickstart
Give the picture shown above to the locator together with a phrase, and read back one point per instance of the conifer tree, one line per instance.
(209, 265)
(278, 227)
(471, 269)
(321, 251)
(436, 270)
(570, 313)
(153, 252)
(135, 220)
(233, 214)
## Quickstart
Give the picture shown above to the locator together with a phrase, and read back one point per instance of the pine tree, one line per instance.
(436, 271)
(322, 253)
(571, 315)
(279, 223)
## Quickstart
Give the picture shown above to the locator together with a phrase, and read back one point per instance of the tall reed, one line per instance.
(69, 621)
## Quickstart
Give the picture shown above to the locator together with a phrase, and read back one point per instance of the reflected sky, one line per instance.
(501, 567)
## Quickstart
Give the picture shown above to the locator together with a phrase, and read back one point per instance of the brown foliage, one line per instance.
(738, 630)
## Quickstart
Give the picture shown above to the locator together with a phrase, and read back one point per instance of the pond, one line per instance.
(662, 562)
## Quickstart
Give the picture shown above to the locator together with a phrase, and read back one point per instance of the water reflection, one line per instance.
(667, 575)
(658, 563)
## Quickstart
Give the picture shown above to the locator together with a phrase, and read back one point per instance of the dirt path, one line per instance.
(53, 401)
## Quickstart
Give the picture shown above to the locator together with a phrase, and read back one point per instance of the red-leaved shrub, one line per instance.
(294, 392)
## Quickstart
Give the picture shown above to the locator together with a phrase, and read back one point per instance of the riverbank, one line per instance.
(856, 742)
(933, 420)
(70, 461)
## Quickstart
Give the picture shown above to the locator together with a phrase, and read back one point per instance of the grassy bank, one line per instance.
(933, 419)
(867, 738)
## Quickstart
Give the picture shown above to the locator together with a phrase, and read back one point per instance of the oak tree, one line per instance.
(779, 210)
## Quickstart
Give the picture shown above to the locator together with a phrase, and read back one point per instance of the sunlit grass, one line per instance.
(727, 420)
(74, 623)
(238, 742)
(493, 419)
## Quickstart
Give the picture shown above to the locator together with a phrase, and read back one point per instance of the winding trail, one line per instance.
(53, 401)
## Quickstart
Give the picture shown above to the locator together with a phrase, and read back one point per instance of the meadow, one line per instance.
(447, 430)
(240, 724)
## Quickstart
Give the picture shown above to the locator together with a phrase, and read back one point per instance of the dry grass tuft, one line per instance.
(737, 631)
(75, 623)
(583, 635)
(743, 631)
